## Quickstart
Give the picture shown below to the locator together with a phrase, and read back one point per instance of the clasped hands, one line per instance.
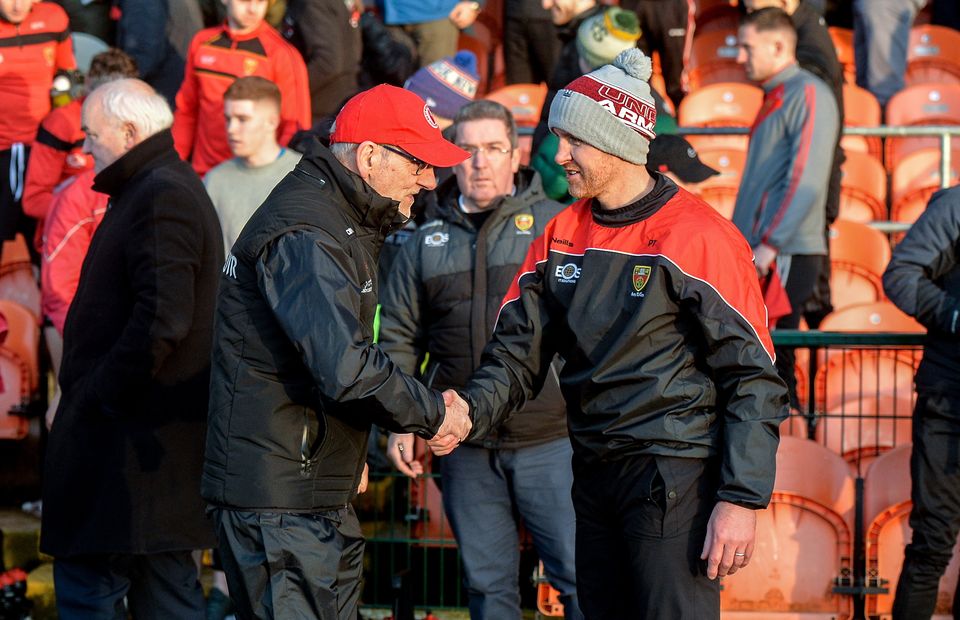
(454, 429)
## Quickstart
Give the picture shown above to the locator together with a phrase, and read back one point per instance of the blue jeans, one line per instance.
(483, 490)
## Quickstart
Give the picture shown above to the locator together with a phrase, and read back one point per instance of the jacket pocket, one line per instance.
(311, 441)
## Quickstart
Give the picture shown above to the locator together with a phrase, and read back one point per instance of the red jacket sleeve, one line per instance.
(45, 169)
(74, 216)
(291, 77)
(65, 58)
(185, 118)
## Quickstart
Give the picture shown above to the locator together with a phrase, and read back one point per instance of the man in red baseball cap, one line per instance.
(297, 380)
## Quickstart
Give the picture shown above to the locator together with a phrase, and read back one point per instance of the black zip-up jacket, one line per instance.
(657, 312)
(296, 379)
(445, 291)
(923, 280)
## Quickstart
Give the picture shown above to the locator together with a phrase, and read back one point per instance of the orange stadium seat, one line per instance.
(720, 105)
(19, 368)
(548, 597)
(486, 46)
(886, 509)
(720, 190)
(713, 59)
(880, 316)
(915, 179)
(858, 257)
(430, 525)
(524, 102)
(843, 42)
(17, 281)
(804, 540)
(863, 188)
(861, 109)
(922, 104)
(933, 56)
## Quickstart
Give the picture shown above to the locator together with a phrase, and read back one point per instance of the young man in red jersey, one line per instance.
(34, 46)
(244, 45)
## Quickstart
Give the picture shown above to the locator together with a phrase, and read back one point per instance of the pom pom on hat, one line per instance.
(634, 63)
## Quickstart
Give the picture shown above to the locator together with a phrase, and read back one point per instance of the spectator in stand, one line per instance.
(881, 34)
(239, 185)
(75, 213)
(433, 28)
(443, 295)
(122, 510)
(156, 34)
(780, 205)
(57, 153)
(668, 30)
(244, 45)
(568, 16)
(923, 280)
(530, 42)
(817, 54)
(26, 75)
(327, 33)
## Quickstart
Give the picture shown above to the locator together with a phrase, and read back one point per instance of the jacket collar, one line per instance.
(235, 36)
(529, 189)
(364, 206)
(779, 78)
(144, 156)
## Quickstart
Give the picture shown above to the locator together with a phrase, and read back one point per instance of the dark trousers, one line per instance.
(13, 171)
(935, 517)
(157, 586)
(800, 274)
(291, 566)
(641, 523)
(530, 49)
(667, 27)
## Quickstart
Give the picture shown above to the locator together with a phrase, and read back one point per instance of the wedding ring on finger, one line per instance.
(400, 447)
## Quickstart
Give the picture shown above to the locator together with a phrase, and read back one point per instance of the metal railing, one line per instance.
(944, 132)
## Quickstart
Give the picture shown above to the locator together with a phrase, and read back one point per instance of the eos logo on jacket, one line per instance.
(568, 274)
(436, 240)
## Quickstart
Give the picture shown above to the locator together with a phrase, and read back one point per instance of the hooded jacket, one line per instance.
(445, 290)
(296, 379)
(656, 311)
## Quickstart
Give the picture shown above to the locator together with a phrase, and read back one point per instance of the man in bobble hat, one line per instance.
(673, 402)
(297, 380)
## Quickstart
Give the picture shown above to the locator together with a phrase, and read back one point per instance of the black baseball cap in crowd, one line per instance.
(672, 153)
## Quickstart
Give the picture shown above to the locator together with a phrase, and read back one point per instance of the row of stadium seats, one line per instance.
(804, 550)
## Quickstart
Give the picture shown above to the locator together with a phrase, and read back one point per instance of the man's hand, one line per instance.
(763, 257)
(455, 427)
(729, 543)
(364, 479)
(464, 14)
(400, 453)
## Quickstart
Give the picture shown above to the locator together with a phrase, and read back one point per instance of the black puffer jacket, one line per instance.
(923, 280)
(446, 288)
(296, 379)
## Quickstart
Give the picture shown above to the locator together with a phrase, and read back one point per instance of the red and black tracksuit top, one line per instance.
(657, 312)
(217, 57)
(31, 54)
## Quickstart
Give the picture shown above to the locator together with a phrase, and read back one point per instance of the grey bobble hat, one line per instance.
(611, 109)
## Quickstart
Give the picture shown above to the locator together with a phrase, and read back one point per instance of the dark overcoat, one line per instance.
(122, 471)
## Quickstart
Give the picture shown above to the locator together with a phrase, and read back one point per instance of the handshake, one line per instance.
(454, 429)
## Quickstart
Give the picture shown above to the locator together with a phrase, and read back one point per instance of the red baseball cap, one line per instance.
(390, 115)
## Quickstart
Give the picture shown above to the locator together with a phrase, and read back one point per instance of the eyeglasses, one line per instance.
(420, 164)
(488, 150)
